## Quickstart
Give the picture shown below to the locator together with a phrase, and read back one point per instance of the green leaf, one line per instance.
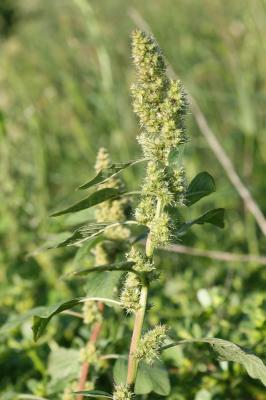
(89, 232)
(121, 266)
(150, 378)
(51, 243)
(120, 371)
(15, 321)
(63, 366)
(103, 285)
(175, 158)
(107, 173)
(41, 320)
(144, 384)
(228, 351)
(84, 251)
(93, 199)
(94, 393)
(214, 217)
(202, 185)
(83, 234)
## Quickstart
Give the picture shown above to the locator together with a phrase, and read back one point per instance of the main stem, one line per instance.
(139, 319)
(140, 314)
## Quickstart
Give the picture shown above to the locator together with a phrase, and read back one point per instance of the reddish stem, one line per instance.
(86, 366)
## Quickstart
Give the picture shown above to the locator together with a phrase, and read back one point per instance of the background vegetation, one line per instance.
(65, 74)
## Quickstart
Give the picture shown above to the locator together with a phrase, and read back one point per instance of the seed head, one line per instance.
(178, 183)
(101, 254)
(156, 183)
(111, 210)
(91, 313)
(122, 392)
(130, 294)
(159, 102)
(102, 160)
(142, 262)
(160, 230)
(161, 105)
(89, 354)
(144, 213)
(69, 392)
(150, 344)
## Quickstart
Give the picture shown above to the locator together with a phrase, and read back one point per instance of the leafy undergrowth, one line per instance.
(64, 74)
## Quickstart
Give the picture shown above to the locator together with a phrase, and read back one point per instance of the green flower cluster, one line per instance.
(130, 293)
(161, 105)
(110, 211)
(69, 392)
(150, 344)
(91, 313)
(72, 387)
(122, 392)
(159, 102)
(89, 354)
(142, 262)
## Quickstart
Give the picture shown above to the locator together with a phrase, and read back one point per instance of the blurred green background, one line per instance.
(65, 76)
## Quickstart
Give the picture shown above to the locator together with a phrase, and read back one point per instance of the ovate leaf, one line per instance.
(228, 351)
(120, 371)
(214, 217)
(202, 185)
(150, 378)
(84, 251)
(41, 320)
(63, 366)
(107, 173)
(98, 394)
(93, 199)
(103, 285)
(144, 384)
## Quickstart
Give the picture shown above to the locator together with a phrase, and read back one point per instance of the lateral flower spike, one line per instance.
(151, 343)
(110, 211)
(130, 294)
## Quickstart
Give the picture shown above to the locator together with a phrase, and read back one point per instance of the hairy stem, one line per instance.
(140, 315)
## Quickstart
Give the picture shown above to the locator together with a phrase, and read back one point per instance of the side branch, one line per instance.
(139, 319)
(216, 255)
